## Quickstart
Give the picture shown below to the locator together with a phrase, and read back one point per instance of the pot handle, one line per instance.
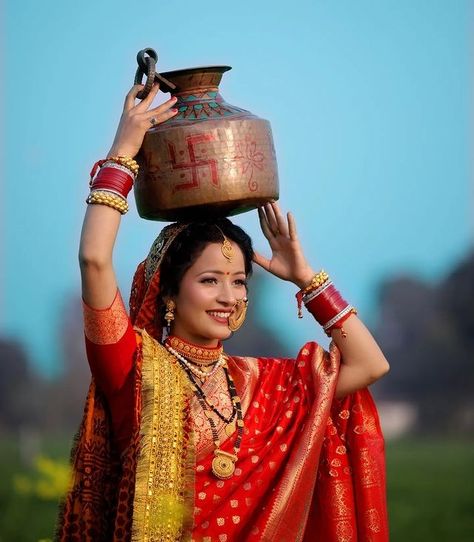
(147, 59)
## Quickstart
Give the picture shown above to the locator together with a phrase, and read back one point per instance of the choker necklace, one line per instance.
(223, 464)
(198, 355)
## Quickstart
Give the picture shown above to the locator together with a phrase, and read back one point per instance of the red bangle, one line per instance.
(113, 178)
(326, 305)
(338, 323)
(329, 309)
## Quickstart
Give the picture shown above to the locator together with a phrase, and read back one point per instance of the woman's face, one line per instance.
(207, 294)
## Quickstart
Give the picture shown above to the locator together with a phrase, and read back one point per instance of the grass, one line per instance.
(430, 492)
(26, 517)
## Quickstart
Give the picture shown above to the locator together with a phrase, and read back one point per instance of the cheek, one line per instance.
(194, 299)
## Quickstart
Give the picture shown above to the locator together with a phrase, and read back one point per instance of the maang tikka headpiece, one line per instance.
(227, 249)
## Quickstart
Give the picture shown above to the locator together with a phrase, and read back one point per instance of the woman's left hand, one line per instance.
(288, 261)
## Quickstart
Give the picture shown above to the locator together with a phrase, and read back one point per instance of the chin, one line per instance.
(222, 335)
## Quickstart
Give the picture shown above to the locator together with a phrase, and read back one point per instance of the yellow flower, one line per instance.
(49, 481)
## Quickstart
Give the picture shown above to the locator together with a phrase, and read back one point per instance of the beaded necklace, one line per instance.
(223, 464)
(194, 367)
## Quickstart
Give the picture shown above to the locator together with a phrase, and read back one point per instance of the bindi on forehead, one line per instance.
(212, 259)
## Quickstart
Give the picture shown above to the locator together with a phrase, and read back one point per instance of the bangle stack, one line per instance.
(104, 197)
(325, 303)
(111, 181)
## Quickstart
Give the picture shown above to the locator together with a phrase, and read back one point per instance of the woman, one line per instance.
(180, 441)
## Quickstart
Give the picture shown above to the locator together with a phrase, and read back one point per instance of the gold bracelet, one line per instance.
(110, 199)
(318, 280)
(127, 162)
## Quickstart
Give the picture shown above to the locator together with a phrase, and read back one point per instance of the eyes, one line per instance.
(213, 280)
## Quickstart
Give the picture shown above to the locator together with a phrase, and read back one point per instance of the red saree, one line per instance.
(310, 468)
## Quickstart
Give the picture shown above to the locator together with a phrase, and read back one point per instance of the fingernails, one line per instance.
(174, 110)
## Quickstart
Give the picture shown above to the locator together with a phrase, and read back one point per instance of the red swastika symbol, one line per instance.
(194, 163)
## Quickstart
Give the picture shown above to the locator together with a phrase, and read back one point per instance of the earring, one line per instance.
(169, 316)
(237, 317)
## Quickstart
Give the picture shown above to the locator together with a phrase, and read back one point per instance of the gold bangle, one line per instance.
(318, 280)
(127, 162)
(101, 197)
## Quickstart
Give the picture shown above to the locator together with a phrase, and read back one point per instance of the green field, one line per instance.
(430, 492)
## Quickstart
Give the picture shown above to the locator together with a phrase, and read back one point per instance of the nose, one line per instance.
(226, 294)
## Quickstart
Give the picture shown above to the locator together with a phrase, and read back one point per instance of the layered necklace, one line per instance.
(199, 363)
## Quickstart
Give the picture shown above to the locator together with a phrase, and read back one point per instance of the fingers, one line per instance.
(282, 225)
(161, 113)
(162, 108)
(292, 227)
(271, 219)
(146, 102)
(264, 223)
(275, 220)
(261, 261)
(131, 96)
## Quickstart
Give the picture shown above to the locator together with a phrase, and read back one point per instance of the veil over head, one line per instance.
(146, 282)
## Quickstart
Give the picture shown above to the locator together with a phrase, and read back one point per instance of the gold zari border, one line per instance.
(164, 486)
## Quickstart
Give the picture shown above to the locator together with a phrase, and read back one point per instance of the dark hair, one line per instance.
(188, 246)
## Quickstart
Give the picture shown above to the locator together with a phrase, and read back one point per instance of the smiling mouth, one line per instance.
(221, 317)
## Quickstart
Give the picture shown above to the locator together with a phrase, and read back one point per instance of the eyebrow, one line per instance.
(220, 272)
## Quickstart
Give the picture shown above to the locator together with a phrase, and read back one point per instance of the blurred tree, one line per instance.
(427, 334)
(17, 383)
(66, 394)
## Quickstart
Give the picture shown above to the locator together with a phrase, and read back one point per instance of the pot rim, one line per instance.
(202, 69)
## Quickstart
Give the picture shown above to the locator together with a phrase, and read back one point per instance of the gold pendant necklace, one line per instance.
(223, 464)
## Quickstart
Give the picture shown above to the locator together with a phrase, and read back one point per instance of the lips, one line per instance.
(219, 316)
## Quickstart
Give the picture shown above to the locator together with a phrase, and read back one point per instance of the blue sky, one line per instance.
(371, 109)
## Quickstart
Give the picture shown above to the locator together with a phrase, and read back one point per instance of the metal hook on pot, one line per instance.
(147, 59)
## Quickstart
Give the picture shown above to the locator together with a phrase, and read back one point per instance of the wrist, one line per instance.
(304, 279)
(120, 151)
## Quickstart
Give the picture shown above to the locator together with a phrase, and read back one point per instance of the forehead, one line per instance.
(211, 258)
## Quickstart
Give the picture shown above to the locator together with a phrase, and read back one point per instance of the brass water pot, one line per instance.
(211, 159)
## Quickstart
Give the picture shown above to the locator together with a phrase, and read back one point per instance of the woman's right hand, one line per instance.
(136, 119)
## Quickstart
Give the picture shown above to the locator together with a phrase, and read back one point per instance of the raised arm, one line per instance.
(362, 360)
(101, 223)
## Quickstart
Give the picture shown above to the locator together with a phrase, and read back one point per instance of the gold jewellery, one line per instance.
(227, 249)
(169, 315)
(237, 316)
(127, 162)
(110, 199)
(223, 463)
(318, 280)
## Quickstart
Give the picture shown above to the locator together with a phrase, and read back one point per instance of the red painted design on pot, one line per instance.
(195, 164)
